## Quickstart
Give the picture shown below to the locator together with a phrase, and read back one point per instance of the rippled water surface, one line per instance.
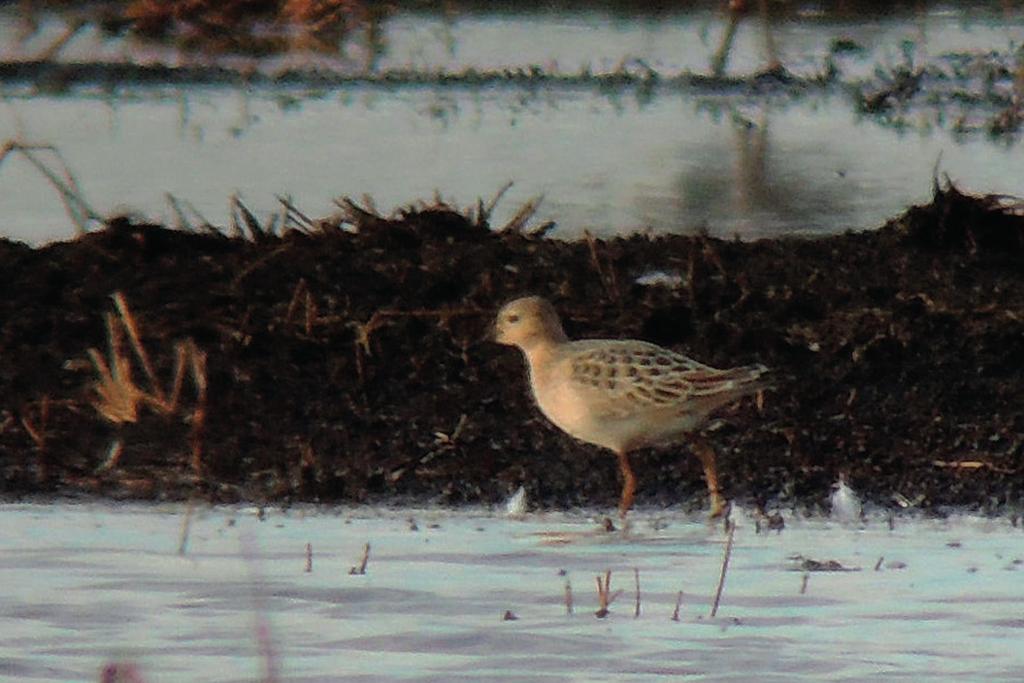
(606, 165)
(87, 584)
(609, 161)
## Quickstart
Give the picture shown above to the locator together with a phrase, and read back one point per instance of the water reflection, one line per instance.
(697, 37)
(615, 161)
(609, 165)
(743, 184)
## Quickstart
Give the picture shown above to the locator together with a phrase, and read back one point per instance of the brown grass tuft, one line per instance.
(120, 398)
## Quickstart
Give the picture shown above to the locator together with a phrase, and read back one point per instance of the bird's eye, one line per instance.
(512, 318)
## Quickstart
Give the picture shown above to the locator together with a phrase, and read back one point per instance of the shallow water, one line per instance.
(608, 162)
(603, 164)
(677, 38)
(86, 584)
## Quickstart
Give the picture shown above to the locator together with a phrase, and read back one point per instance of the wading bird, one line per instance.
(621, 394)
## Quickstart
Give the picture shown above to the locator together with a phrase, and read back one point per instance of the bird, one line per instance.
(622, 394)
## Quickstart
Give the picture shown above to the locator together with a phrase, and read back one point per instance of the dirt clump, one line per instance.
(344, 362)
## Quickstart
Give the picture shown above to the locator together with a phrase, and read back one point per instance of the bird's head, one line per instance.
(528, 322)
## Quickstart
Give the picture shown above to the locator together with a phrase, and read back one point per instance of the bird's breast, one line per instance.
(576, 410)
(561, 404)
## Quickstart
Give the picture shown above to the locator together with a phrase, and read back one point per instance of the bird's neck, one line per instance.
(540, 354)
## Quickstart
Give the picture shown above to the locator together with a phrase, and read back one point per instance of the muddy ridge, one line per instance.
(341, 360)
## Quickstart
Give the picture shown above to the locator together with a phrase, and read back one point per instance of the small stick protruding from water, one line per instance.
(568, 597)
(878, 565)
(295, 217)
(361, 569)
(803, 583)
(636, 578)
(679, 603)
(309, 558)
(725, 568)
(181, 221)
(186, 527)
(484, 211)
(522, 216)
(604, 595)
(54, 48)
(67, 187)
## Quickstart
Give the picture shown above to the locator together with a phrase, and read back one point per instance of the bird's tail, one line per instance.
(718, 387)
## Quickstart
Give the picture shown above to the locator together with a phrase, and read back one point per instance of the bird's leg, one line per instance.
(628, 484)
(703, 450)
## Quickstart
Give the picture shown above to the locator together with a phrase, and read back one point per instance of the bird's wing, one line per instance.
(635, 377)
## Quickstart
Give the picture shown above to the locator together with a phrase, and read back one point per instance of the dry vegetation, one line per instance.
(261, 26)
(340, 358)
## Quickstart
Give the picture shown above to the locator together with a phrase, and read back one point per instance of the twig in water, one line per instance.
(178, 206)
(539, 231)
(241, 215)
(264, 639)
(181, 221)
(186, 527)
(67, 187)
(361, 569)
(293, 216)
(679, 603)
(725, 568)
(636, 608)
(484, 211)
(803, 582)
(357, 216)
(523, 215)
(721, 56)
(604, 595)
(568, 597)
(54, 48)
(878, 565)
(309, 558)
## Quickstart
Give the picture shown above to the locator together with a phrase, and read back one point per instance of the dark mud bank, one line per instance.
(343, 362)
